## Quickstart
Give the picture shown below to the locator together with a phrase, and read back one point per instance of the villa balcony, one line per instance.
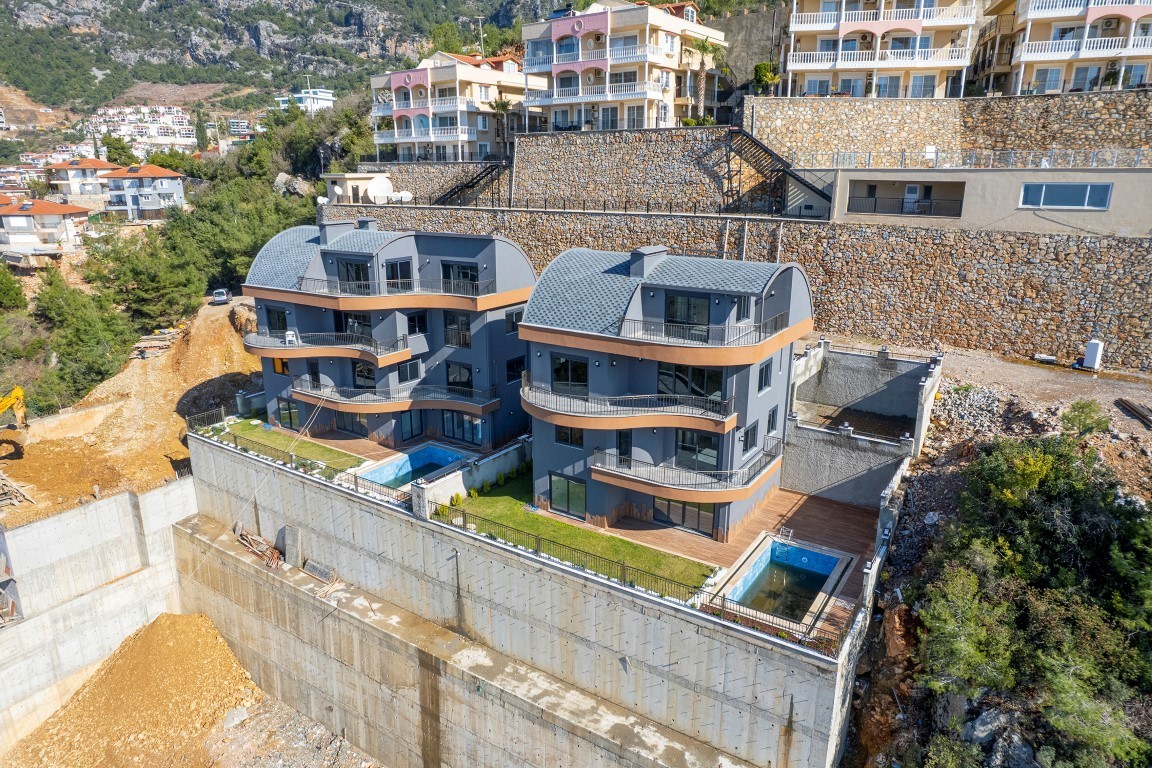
(885, 58)
(667, 479)
(382, 109)
(682, 334)
(452, 104)
(627, 411)
(1092, 48)
(944, 16)
(290, 344)
(376, 400)
(396, 287)
(437, 133)
(595, 93)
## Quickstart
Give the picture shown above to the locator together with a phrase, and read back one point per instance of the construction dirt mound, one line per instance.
(152, 703)
(139, 444)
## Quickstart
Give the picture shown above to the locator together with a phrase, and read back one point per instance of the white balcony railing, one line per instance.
(567, 58)
(949, 13)
(1104, 3)
(613, 92)
(801, 22)
(1093, 47)
(452, 104)
(883, 58)
(933, 16)
(628, 53)
(382, 109)
(853, 57)
(1047, 9)
(437, 133)
(802, 58)
(538, 63)
(856, 17)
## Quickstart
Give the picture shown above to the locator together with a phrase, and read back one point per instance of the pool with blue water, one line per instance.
(784, 580)
(402, 470)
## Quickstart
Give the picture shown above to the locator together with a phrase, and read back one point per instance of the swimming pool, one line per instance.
(785, 579)
(402, 470)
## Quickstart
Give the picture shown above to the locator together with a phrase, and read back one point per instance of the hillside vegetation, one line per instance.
(72, 338)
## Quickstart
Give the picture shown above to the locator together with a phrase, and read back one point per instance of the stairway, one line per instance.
(458, 193)
(745, 149)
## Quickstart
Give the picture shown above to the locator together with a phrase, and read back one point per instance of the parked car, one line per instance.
(221, 296)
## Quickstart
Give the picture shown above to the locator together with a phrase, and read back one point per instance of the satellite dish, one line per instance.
(322, 200)
(337, 190)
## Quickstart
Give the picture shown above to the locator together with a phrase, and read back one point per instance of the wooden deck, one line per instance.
(354, 444)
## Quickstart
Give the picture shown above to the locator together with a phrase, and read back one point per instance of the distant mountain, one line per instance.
(86, 52)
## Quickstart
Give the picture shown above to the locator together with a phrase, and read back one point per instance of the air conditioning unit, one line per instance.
(598, 38)
(591, 78)
(865, 38)
(1109, 24)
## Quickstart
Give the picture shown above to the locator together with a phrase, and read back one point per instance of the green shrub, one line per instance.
(947, 752)
(1083, 418)
(500, 479)
(513, 473)
(11, 295)
(456, 500)
(487, 487)
(473, 493)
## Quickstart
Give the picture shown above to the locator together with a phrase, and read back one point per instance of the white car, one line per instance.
(221, 296)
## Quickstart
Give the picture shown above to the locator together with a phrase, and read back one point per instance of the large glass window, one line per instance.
(363, 375)
(356, 323)
(399, 275)
(459, 278)
(573, 436)
(686, 317)
(749, 436)
(356, 423)
(460, 378)
(411, 424)
(1090, 196)
(674, 379)
(570, 375)
(699, 451)
(353, 277)
(277, 319)
(457, 329)
(408, 371)
(280, 366)
(1048, 80)
(698, 517)
(567, 495)
(512, 319)
(463, 427)
(514, 369)
(289, 414)
(417, 323)
(772, 420)
(635, 117)
(765, 378)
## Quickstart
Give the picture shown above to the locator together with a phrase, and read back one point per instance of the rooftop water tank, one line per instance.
(1094, 355)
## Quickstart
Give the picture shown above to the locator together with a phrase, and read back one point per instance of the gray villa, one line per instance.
(658, 385)
(395, 336)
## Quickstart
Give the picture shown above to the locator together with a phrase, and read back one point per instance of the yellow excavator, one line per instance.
(15, 433)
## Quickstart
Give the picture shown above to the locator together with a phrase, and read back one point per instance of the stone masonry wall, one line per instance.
(1112, 119)
(1016, 293)
(660, 166)
(431, 179)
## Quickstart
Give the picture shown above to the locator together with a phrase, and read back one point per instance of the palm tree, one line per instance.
(503, 108)
(710, 54)
(771, 80)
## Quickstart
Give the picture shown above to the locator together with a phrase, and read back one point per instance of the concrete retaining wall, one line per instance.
(84, 580)
(839, 465)
(876, 383)
(749, 695)
(409, 692)
(426, 180)
(1010, 292)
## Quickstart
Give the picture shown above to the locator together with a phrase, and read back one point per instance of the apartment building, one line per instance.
(40, 226)
(1058, 46)
(80, 176)
(658, 385)
(311, 100)
(144, 192)
(396, 336)
(146, 128)
(880, 48)
(441, 110)
(618, 65)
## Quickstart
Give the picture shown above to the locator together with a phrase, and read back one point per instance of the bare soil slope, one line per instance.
(152, 703)
(21, 110)
(140, 445)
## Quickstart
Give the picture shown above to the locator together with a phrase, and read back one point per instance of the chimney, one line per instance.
(366, 224)
(644, 259)
(330, 230)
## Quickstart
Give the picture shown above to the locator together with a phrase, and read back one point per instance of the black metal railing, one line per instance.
(626, 405)
(396, 287)
(689, 334)
(277, 339)
(897, 206)
(454, 337)
(673, 476)
(371, 396)
(816, 636)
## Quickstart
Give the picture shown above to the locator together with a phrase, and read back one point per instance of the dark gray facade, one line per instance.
(658, 384)
(395, 336)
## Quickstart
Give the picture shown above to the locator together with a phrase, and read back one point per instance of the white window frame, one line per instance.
(481, 122)
(1087, 191)
(690, 15)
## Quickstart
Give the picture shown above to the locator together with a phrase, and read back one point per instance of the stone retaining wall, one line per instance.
(674, 165)
(1011, 292)
(1111, 119)
(431, 179)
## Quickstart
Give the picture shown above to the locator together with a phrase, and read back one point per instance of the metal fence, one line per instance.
(275, 339)
(824, 640)
(683, 477)
(626, 405)
(395, 287)
(704, 335)
(896, 206)
(413, 392)
(976, 159)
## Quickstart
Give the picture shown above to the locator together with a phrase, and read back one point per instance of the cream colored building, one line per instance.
(879, 48)
(441, 110)
(618, 65)
(1057, 46)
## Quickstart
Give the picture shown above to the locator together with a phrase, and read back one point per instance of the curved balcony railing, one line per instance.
(626, 405)
(280, 339)
(396, 287)
(374, 396)
(685, 334)
(690, 479)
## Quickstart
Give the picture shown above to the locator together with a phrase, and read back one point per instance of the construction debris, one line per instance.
(258, 546)
(1140, 412)
(157, 343)
(11, 493)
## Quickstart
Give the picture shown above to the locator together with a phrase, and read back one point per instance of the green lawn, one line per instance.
(506, 506)
(304, 448)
